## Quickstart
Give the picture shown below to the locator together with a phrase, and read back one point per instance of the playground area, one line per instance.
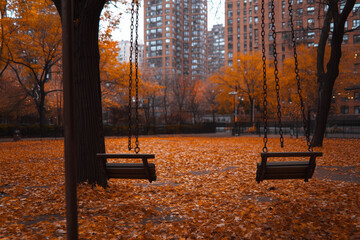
(205, 189)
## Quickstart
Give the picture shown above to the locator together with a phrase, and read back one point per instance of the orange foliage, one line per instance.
(32, 42)
(113, 74)
(206, 189)
(309, 83)
(115, 78)
(245, 77)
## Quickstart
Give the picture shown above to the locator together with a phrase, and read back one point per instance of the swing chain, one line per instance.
(137, 148)
(299, 90)
(276, 72)
(265, 139)
(130, 75)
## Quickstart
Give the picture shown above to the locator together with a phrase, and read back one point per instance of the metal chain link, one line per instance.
(265, 139)
(130, 75)
(137, 148)
(299, 90)
(276, 72)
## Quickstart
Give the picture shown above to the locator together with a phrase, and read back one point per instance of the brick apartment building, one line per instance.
(243, 26)
(243, 34)
(175, 35)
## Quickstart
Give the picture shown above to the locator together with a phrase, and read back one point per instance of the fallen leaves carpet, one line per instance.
(206, 189)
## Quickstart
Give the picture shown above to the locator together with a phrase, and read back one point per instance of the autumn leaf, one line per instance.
(206, 189)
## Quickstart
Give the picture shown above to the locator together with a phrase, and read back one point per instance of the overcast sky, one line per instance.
(215, 16)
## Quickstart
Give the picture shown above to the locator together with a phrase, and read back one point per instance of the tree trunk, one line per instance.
(251, 100)
(326, 84)
(41, 110)
(87, 93)
(153, 110)
(327, 80)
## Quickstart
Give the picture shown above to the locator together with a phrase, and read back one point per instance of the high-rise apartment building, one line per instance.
(124, 52)
(216, 48)
(175, 38)
(243, 26)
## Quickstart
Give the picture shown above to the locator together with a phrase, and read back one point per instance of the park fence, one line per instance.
(334, 128)
(33, 131)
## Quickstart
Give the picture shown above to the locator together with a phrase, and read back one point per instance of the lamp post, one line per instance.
(235, 108)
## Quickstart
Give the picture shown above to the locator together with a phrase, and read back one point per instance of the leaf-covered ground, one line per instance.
(206, 189)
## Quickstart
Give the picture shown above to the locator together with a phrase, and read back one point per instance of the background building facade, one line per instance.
(175, 38)
(243, 34)
(216, 48)
(124, 52)
(243, 26)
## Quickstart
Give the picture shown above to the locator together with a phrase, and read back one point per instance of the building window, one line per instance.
(356, 39)
(310, 10)
(357, 110)
(344, 109)
(299, 12)
(345, 39)
(356, 23)
(356, 9)
(310, 23)
(299, 1)
(311, 35)
(356, 96)
(299, 23)
(271, 37)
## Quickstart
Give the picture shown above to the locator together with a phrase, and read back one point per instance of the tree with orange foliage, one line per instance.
(33, 45)
(307, 70)
(244, 77)
(3, 30)
(114, 75)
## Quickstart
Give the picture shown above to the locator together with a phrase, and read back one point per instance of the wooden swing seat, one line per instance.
(286, 170)
(142, 170)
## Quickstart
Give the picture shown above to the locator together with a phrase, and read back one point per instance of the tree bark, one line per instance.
(41, 109)
(87, 92)
(327, 79)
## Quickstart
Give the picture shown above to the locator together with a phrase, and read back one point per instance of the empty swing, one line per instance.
(289, 169)
(144, 170)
